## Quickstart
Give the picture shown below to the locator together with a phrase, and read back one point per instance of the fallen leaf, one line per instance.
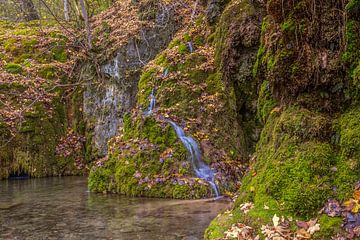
(356, 195)
(275, 220)
(302, 224)
(314, 229)
(303, 234)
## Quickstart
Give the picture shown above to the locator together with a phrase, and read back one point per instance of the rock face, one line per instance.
(105, 105)
(214, 9)
(308, 102)
(237, 41)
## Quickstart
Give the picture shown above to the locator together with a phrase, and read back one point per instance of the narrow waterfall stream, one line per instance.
(201, 169)
(190, 46)
(151, 104)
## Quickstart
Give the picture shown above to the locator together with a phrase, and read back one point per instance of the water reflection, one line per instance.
(61, 208)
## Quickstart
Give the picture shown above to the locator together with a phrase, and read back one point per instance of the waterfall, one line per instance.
(151, 104)
(166, 72)
(190, 46)
(112, 68)
(202, 170)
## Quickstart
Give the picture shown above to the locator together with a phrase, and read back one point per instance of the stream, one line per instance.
(62, 208)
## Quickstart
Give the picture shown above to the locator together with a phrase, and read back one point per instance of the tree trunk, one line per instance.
(29, 10)
(86, 20)
(66, 10)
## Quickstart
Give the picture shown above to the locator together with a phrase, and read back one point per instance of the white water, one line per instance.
(202, 170)
(112, 68)
(190, 46)
(166, 72)
(151, 104)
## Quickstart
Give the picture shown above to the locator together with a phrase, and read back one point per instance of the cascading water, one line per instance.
(151, 104)
(112, 68)
(190, 46)
(166, 72)
(202, 170)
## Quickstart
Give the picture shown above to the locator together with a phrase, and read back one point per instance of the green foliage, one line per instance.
(100, 179)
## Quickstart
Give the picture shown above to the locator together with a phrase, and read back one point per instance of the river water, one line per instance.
(62, 208)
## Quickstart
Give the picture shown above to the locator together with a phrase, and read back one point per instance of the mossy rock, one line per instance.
(293, 171)
(266, 103)
(347, 137)
(150, 162)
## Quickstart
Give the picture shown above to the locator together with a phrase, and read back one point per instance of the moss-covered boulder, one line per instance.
(296, 169)
(147, 159)
(308, 102)
(34, 113)
(236, 40)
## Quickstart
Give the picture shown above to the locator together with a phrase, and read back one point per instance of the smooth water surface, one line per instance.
(62, 208)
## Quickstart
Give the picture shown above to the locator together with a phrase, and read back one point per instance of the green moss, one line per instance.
(199, 41)
(47, 72)
(13, 68)
(59, 54)
(290, 167)
(145, 86)
(26, 31)
(265, 103)
(160, 59)
(261, 50)
(348, 167)
(174, 43)
(29, 43)
(288, 25)
(118, 174)
(329, 227)
(214, 83)
(352, 5)
(10, 45)
(187, 37)
(100, 179)
(183, 48)
(351, 54)
(260, 53)
(23, 59)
